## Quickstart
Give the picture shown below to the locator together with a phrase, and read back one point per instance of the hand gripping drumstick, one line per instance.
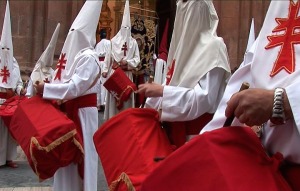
(229, 120)
(150, 80)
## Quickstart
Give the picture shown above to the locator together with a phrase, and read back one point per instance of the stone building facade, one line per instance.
(34, 21)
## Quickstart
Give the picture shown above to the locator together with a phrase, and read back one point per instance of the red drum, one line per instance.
(130, 145)
(8, 108)
(178, 131)
(226, 159)
(291, 173)
(120, 86)
(47, 136)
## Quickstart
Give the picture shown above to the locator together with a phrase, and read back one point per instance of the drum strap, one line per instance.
(71, 107)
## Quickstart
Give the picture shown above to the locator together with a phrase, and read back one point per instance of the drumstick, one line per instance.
(151, 78)
(229, 120)
(149, 81)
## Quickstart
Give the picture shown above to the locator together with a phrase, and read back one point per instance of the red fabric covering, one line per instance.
(8, 94)
(9, 107)
(177, 131)
(71, 108)
(291, 172)
(131, 143)
(47, 136)
(227, 159)
(120, 86)
(163, 50)
(163, 56)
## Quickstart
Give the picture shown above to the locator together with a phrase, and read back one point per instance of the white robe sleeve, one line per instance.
(106, 63)
(83, 77)
(135, 60)
(107, 46)
(293, 94)
(241, 75)
(160, 71)
(183, 104)
(16, 74)
(30, 89)
(97, 48)
(19, 86)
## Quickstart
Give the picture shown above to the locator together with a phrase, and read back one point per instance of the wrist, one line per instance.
(162, 91)
(124, 62)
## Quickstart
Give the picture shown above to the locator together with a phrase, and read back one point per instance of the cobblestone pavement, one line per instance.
(24, 177)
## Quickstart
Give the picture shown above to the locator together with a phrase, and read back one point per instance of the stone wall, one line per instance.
(33, 23)
(234, 26)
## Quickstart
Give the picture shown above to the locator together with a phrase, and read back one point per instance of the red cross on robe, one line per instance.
(287, 40)
(61, 65)
(170, 72)
(5, 73)
(124, 48)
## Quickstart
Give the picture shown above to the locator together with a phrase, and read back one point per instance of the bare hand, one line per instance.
(104, 74)
(23, 91)
(151, 90)
(123, 64)
(251, 106)
(39, 87)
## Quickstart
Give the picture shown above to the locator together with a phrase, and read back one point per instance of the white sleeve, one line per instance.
(183, 104)
(29, 89)
(84, 76)
(135, 60)
(19, 85)
(97, 48)
(106, 63)
(243, 74)
(293, 94)
(107, 46)
(16, 73)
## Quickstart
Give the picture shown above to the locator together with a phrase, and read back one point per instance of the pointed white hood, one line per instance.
(195, 47)
(126, 15)
(81, 35)
(251, 37)
(43, 68)
(248, 56)
(122, 43)
(8, 78)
